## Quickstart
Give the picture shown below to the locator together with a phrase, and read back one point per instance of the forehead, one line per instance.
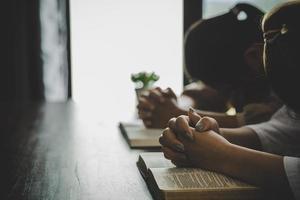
(287, 13)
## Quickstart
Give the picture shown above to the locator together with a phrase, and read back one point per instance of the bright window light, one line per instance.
(215, 7)
(111, 39)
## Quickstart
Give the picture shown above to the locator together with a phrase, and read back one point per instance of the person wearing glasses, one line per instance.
(265, 154)
(225, 54)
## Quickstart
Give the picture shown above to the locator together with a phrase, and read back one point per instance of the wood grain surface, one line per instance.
(55, 151)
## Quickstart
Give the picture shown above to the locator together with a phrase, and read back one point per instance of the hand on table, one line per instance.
(157, 107)
(186, 146)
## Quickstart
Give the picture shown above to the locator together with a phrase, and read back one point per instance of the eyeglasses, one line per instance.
(271, 35)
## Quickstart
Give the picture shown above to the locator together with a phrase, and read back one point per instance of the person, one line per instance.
(223, 52)
(265, 154)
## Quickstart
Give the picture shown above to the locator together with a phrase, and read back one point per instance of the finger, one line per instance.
(207, 123)
(193, 116)
(144, 114)
(169, 93)
(144, 104)
(182, 127)
(158, 89)
(168, 139)
(171, 123)
(174, 156)
(156, 96)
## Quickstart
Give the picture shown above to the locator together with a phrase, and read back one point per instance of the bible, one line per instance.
(167, 182)
(138, 136)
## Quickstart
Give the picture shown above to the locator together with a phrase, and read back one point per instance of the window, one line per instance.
(110, 39)
(215, 7)
(54, 50)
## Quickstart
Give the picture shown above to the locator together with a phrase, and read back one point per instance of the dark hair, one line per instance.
(282, 52)
(214, 47)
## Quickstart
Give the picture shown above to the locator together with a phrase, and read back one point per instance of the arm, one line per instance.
(259, 168)
(223, 119)
(243, 136)
(158, 107)
(210, 103)
(211, 151)
(205, 97)
(252, 114)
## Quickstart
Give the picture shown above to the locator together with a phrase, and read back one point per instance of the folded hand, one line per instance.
(184, 145)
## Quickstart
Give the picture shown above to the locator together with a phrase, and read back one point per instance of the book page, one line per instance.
(192, 178)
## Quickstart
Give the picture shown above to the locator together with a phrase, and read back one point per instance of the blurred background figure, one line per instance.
(224, 54)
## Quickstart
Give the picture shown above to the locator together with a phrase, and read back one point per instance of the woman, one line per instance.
(266, 154)
(223, 52)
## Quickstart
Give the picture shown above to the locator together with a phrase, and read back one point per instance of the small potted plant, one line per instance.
(143, 81)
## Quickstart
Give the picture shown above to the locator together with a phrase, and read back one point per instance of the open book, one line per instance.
(138, 136)
(165, 181)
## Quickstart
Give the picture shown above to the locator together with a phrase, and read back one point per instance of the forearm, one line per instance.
(259, 168)
(206, 98)
(223, 119)
(243, 136)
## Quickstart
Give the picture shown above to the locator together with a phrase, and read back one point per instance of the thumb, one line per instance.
(171, 92)
(206, 124)
(182, 127)
(193, 116)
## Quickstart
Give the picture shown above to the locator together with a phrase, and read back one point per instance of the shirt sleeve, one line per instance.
(292, 170)
(280, 135)
(271, 141)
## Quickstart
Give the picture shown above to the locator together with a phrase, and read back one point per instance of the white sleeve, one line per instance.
(280, 135)
(272, 140)
(292, 170)
(266, 139)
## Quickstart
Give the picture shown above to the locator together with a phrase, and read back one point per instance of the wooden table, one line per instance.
(56, 151)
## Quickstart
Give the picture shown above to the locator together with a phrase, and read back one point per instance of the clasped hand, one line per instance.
(157, 107)
(194, 141)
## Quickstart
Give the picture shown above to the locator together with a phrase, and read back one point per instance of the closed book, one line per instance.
(138, 136)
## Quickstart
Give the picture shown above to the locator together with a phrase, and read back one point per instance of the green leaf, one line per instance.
(145, 79)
